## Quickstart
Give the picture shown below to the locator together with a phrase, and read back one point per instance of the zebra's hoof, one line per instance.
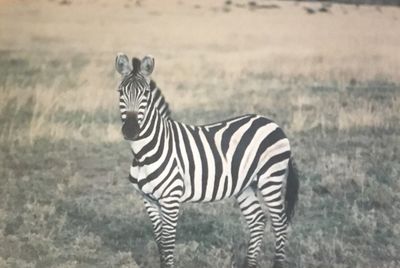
(278, 264)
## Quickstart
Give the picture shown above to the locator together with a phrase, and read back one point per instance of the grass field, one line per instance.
(330, 78)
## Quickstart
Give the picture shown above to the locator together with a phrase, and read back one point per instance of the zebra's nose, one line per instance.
(131, 115)
(130, 128)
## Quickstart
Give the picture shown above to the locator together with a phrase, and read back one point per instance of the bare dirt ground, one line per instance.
(328, 74)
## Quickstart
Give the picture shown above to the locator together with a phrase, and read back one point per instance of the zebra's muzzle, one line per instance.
(130, 128)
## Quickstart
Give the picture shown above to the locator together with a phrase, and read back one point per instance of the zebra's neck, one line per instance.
(153, 132)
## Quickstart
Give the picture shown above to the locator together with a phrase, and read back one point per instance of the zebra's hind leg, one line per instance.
(255, 218)
(270, 187)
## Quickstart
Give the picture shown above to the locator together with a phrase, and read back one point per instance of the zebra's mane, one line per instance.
(159, 99)
(135, 65)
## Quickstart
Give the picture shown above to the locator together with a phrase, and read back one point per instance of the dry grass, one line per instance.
(330, 80)
(286, 44)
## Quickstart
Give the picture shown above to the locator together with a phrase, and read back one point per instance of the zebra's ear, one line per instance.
(122, 64)
(147, 65)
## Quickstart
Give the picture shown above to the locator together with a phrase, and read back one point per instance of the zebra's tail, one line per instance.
(292, 190)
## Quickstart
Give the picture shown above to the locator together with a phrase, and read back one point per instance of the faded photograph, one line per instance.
(199, 134)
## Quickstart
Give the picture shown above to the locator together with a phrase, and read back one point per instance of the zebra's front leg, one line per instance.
(169, 214)
(153, 210)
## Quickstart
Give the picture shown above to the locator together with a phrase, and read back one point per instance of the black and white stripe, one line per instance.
(176, 163)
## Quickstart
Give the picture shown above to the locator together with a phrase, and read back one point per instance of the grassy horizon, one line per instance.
(328, 79)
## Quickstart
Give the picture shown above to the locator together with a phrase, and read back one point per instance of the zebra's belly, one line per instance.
(212, 189)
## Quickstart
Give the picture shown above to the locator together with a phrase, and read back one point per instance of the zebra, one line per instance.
(176, 163)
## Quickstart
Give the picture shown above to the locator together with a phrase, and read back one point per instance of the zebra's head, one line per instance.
(134, 92)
